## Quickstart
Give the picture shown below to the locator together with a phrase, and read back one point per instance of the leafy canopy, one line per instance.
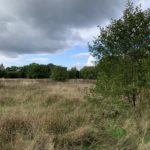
(123, 53)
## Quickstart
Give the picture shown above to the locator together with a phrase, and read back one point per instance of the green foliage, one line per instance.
(38, 71)
(73, 73)
(59, 73)
(2, 70)
(88, 73)
(29, 71)
(117, 133)
(127, 36)
(12, 72)
(122, 49)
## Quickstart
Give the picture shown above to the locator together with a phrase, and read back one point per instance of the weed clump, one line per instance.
(7, 101)
(57, 123)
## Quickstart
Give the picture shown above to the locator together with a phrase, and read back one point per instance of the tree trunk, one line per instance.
(134, 100)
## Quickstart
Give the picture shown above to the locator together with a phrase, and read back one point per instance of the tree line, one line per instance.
(40, 71)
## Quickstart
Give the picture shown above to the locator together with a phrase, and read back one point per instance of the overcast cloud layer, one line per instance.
(49, 26)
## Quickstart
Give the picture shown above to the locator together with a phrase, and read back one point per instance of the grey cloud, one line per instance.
(46, 26)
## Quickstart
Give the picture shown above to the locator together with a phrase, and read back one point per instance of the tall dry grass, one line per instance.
(34, 114)
(47, 115)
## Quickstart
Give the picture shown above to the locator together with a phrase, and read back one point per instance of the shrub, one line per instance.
(59, 73)
(88, 73)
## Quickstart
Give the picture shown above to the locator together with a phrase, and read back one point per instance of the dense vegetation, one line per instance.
(38, 71)
(123, 53)
(59, 73)
(47, 115)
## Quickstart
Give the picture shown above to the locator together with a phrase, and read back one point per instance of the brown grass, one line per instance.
(34, 112)
(47, 115)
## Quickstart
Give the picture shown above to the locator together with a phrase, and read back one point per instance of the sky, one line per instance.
(54, 31)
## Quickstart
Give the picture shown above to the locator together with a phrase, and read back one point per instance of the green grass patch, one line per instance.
(147, 137)
(117, 132)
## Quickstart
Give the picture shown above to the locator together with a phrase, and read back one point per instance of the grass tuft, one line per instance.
(10, 128)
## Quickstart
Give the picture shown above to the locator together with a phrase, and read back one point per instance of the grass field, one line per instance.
(46, 115)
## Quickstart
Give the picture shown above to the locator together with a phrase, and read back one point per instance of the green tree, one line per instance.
(59, 73)
(2, 71)
(73, 73)
(88, 73)
(37, 71)
(13, 72)
(123, 53)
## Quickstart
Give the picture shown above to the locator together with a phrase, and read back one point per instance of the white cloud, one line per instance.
(145, 4)
(78, 65)
(39, 59)
(91, 61)
(8, 61)
(81, 55)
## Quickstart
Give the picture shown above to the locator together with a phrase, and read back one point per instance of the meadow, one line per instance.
(49, 115)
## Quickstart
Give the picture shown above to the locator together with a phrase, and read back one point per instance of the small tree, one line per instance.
(123, 51)
(73, 73)
(59, 73)
(2, 71)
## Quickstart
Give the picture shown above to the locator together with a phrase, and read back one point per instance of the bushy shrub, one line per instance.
(59, 73)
